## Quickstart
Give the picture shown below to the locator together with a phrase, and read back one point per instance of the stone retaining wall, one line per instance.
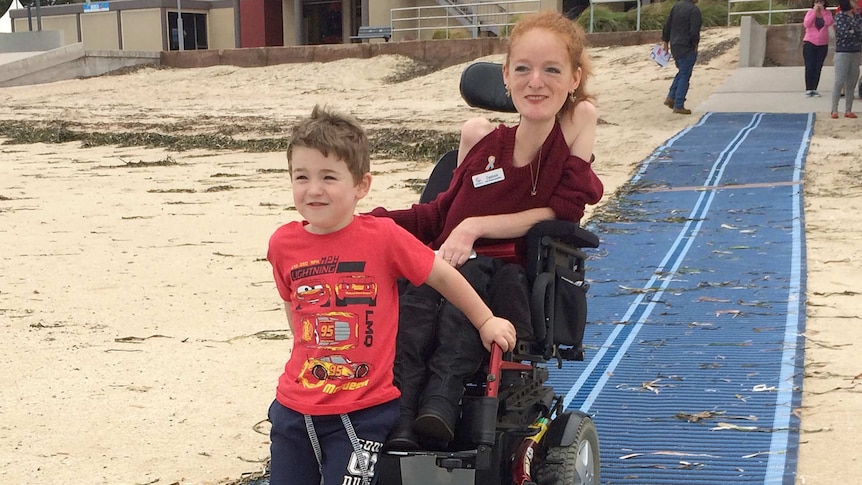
(783, 48)
(438, 53)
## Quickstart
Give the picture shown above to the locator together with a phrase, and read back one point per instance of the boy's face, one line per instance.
(323, 190)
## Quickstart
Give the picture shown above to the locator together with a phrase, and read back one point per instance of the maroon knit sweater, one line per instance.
(566, 183)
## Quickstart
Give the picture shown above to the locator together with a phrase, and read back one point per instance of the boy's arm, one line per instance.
(452, 286)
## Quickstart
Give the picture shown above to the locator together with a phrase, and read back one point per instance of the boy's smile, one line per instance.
(324, 191)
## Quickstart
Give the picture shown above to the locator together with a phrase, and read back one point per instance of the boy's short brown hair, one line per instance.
(331, 132)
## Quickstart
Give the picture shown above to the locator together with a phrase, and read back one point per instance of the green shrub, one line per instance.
(605, 20)
(453, 34)
(653, 16)
(761, 18)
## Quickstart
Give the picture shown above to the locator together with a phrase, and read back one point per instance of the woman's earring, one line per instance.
(573, 97)
(508, 91)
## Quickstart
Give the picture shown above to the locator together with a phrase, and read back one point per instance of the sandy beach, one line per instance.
(141, 335)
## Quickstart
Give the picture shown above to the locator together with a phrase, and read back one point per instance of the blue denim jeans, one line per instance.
(679, 87)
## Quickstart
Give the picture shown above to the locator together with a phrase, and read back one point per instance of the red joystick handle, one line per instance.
(493, 379)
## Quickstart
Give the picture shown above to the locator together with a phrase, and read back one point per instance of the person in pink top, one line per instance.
(815, 44)
(338, 275)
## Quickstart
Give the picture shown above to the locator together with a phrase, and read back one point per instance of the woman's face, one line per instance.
(539, 74)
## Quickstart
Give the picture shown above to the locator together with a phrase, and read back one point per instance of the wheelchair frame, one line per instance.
(513, 428)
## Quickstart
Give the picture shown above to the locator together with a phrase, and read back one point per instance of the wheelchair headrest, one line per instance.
(482, 87)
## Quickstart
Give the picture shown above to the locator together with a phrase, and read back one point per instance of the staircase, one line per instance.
(478, 17)
(467, 14)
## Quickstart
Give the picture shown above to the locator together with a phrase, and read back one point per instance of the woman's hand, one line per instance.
(458, 247)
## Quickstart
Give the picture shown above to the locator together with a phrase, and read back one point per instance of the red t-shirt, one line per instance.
(343, 294)
(486, 183)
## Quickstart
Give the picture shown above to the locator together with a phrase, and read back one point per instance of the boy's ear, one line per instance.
(364, 186)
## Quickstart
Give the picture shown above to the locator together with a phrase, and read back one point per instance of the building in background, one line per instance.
(151, 25)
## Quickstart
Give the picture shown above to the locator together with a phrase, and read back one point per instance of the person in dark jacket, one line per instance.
(682, 32)
(848, 50)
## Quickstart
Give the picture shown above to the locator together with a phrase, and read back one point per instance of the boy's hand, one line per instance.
(500, 331)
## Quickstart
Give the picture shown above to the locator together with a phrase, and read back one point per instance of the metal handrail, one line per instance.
(592, 9)
(425, 18)
(769, 12)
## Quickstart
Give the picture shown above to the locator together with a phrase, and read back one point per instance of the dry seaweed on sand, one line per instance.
(398, 143)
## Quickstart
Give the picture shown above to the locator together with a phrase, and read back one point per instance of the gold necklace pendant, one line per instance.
(535, 180)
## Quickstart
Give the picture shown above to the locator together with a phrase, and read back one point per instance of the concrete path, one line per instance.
(771, 90)
(6, 57)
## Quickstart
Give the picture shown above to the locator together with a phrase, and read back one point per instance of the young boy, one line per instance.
(337, 273)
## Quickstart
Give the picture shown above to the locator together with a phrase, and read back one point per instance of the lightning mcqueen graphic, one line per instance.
(356, 289)
(333, 330)
(314, 292)
(336, 367)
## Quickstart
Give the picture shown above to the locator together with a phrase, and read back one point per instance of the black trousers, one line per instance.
(438, 349)
(814, 56)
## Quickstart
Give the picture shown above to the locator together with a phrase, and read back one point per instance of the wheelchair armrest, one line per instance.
(566, 232)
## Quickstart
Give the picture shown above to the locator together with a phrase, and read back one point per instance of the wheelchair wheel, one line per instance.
(577, 463)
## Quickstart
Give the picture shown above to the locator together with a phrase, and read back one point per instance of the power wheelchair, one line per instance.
(513, 428)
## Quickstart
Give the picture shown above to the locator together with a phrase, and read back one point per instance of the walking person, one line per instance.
(815, 44)
(682, 32)
(848, 53)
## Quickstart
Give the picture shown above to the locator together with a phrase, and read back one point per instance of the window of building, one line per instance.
(194, 29)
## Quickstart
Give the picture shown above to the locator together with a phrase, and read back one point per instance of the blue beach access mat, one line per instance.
(694, 349)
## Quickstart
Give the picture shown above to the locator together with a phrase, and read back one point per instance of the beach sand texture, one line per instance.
(141, 335)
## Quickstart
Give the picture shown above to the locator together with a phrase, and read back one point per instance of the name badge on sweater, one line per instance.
(488, 178)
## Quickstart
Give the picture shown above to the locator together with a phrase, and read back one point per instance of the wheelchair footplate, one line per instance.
(430, 467)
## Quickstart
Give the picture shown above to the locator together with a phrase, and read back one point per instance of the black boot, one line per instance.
(451, 366)
(436, 420)
(403, 437)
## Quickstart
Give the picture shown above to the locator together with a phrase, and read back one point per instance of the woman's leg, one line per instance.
(417, 327)
(820, 53)
(810, 57)
(851, 80)
(456, 359)
(841, 62)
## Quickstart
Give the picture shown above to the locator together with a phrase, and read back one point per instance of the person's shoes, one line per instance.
(682, 111)
(436, 420)
(834, 116)
(850, 115)
(403, 438)
(815, 94)
(668, 102)
(809, 93)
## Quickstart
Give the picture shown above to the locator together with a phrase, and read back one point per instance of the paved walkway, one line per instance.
(770, 90)
(694, 347)
(6, 57)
